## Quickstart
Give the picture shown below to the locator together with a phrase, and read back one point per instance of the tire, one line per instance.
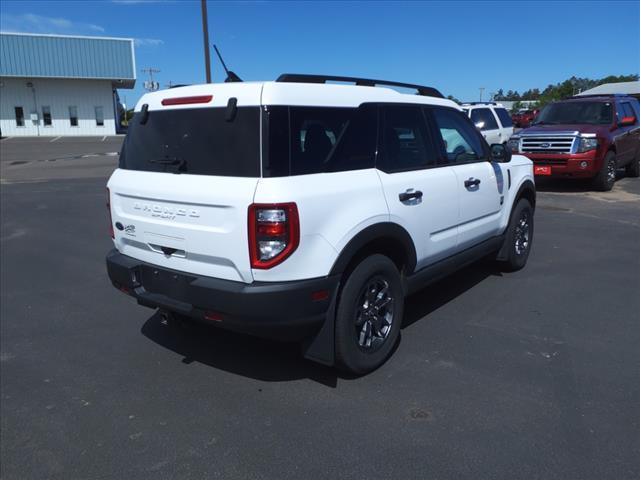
(519, 237)
(606, 177)
(363, 337)
(633, 169)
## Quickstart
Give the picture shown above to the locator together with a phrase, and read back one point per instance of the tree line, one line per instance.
(568, 88)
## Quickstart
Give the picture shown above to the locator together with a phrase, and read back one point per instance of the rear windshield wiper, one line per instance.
(179, 163)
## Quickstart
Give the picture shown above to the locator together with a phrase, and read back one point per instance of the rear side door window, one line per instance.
(406, 142)
(628, 110)
(308, 140)
(461, 142)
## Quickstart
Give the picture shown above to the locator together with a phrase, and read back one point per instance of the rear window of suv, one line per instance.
(199, 141)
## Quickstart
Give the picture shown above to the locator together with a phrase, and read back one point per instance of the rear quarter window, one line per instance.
(198, 141)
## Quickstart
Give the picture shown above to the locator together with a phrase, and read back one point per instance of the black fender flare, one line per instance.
(371, 234)
(526, 190)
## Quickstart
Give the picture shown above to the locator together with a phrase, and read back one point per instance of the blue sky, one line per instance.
(454, 46)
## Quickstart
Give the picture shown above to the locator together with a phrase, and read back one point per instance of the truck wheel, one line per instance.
(633, 169)
(369, 315)
(519, 237)
(606, 177)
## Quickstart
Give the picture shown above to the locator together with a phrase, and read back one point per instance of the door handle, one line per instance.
(472, 182)
(410, 195)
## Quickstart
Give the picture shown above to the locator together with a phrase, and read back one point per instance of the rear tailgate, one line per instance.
(188, 171)
(190, 223)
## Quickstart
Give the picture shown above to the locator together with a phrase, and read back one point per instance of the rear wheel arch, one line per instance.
(388, 239)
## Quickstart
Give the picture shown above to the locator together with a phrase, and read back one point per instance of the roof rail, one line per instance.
(479, 103)
(366, 82)
(600, 95)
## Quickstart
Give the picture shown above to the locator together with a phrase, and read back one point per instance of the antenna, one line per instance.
(150, 85)
(231, 77)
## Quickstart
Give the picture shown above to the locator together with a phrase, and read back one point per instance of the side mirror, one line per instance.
(480, 125)
(626, 121)
(500, 153)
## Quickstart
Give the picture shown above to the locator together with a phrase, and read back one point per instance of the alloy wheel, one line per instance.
(374, 315)
(522, 233)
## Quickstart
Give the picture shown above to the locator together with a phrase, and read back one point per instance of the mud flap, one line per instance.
(321, 347)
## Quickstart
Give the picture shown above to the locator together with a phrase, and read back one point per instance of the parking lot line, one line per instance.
(53, 139)
(104, 138)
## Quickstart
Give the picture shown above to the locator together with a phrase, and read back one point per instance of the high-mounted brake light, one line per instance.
(274, 233)
(109, 210)
(187, 100)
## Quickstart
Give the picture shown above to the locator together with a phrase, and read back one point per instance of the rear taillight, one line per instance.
(109, 210)
(274, 233)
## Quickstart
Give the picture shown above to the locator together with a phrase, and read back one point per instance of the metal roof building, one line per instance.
(62, 85)
(629, 88)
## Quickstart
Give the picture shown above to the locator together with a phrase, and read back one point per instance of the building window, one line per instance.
(19, 116)
(99, 116)
(73, 116)
(46, 116)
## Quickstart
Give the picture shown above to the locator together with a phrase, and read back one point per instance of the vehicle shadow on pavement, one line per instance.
(273, 361)
(253, 357)
(434, 296)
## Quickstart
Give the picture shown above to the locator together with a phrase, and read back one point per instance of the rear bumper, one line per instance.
(579, 165)
(283, 310)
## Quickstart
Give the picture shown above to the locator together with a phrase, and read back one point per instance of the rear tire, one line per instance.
(606, 177)
(369, 315)
(519, 237)
(633, 169)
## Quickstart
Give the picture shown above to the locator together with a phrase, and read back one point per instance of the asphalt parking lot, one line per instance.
(530, 375)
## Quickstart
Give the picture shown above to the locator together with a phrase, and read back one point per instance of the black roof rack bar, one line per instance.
(479, 103)
(366, 82)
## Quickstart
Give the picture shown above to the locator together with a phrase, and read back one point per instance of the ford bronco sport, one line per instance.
(586, 137)
(306, 211)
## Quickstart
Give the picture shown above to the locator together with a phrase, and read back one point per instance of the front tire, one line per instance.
(519, 237)
(369, 315)
(606, 177)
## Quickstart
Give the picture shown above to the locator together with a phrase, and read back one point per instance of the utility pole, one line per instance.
(150, 85)
(481, 90)
(205, 34)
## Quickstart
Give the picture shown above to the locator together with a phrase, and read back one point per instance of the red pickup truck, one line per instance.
(584, 137)
(523, 118)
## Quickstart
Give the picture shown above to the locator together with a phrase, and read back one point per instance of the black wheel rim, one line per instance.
(522, 234)
(374, 314)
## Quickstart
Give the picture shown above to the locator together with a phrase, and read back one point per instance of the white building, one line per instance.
(53, 85)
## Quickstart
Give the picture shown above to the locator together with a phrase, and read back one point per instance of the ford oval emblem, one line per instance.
(545, 145)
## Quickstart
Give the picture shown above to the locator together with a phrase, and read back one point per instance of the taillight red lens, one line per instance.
(274, 233)
(109, 210)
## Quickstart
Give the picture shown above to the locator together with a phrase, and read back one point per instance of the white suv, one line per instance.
(492, 119)
(303, 210)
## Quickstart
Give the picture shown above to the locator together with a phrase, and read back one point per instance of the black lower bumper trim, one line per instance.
(281, 310)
